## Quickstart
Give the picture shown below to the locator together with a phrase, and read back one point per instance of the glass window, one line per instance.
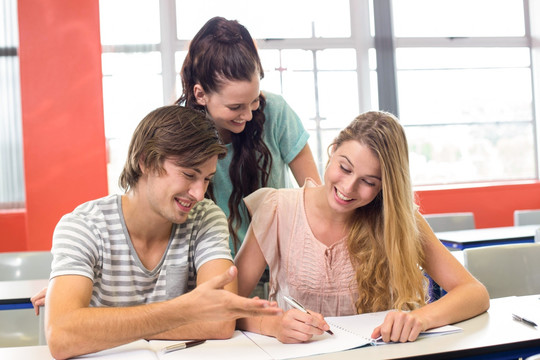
(269, 20)
(132, 87)
(468, 110)
(464, 108)
(126, 22)
(471, 153)
(12, 191)
(458, 18)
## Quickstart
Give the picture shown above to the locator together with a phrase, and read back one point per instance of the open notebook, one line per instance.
(349, 332)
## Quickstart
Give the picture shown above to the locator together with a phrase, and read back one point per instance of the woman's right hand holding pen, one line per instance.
(294, 326)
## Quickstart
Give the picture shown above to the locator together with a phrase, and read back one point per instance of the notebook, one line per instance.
(349, 332)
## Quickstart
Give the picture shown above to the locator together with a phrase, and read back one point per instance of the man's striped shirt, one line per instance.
(93, 241)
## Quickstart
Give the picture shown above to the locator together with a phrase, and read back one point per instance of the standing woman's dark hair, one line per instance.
(223, 50)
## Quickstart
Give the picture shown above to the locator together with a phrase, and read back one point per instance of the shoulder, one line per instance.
(93, 213)
(267, 198)
(275, 105)
(273, 99)
(206, 211)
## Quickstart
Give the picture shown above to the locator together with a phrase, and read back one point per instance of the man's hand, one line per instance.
(211, 302)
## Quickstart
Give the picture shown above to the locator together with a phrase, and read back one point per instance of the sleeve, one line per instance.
(212, 241)
(74, 248)
(262, 205)
(287, 128)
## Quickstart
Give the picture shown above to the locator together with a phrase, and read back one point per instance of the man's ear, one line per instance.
(200, 94)
(141, 165)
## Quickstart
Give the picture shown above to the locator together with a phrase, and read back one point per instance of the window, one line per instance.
(464, 90)
(458, 76)
(11, 159)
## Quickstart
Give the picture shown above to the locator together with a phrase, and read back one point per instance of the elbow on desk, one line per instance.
(60, 345)
(59, 349)
(482, 298)
(222, 330)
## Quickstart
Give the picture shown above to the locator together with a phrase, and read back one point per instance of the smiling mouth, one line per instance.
(185, 204)
(341, 196)
(239, 122)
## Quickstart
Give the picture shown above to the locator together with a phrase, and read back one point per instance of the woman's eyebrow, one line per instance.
(370, 176)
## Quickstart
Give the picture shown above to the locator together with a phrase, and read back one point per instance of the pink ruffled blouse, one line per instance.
(320, 277)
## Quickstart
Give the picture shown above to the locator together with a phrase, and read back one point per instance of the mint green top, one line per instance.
(285, 137)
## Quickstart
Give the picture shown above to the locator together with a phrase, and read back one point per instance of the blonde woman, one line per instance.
(355, 244)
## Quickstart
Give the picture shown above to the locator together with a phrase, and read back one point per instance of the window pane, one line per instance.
(129, 22)
(464, 96)
(465, 153)
(275, 19)
(459, 58)
(12, 192)
(455, 18)
(336, 59)
(457, 85)
(132, 87)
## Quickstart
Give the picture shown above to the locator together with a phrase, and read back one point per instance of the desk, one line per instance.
(490, 335)
(462, 239)
(17, 294)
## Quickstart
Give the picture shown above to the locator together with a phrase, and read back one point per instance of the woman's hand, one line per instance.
(296, 326)
(38, 300)
(399, 326)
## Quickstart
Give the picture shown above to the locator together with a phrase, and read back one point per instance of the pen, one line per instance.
(523, 320)
(181, 346)
(295, 304)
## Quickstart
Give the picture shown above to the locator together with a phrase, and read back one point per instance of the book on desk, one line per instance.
(349, 332)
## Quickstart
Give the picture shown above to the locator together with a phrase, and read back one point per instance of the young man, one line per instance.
(153, 263)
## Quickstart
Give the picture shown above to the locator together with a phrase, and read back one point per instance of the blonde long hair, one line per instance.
(384, 241)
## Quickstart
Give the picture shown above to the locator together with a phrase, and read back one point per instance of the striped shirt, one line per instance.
(93, 241)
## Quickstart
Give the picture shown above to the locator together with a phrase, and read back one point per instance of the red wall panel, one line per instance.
(62, 111)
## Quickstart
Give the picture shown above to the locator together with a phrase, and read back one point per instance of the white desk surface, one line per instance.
(496, 327)
(21, 289)
(491, 329)
(487, 234)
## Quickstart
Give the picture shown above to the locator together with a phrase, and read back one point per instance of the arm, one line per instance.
(466, 296)
(38, 300)
(303, 166)
(250, 263)
(208, 329)
(73, 328)
(293, 326)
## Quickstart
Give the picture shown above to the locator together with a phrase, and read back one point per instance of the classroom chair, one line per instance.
(21, 327)
(506, 270)
(26, 265)
(450, 221)
(526, 217)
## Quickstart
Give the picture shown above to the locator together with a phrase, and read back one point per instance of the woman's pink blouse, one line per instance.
(320, 277)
